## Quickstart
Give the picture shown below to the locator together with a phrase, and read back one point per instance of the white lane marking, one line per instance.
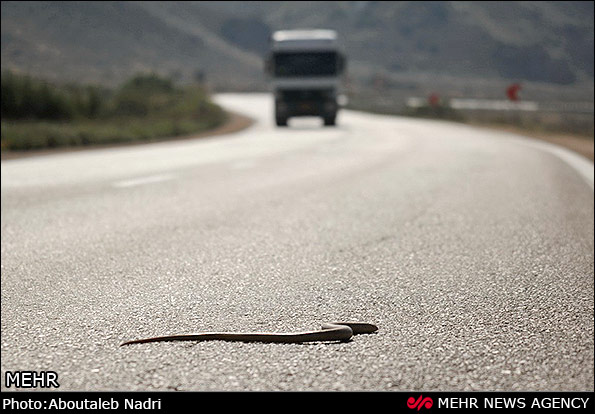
(579, 163)
(143, 180)
(583, 166)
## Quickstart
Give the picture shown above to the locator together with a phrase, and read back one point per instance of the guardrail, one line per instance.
(507, 105)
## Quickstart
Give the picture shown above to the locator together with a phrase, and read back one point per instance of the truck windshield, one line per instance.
(305, 64)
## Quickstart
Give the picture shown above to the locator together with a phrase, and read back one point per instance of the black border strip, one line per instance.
(409, 401)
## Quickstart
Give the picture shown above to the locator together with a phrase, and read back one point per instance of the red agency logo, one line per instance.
(420, 403)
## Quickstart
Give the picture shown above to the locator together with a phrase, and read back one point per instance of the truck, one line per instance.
(305, 68)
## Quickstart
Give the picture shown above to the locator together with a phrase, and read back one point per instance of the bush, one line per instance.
(144, 95)
(38, 115)
(26, 98)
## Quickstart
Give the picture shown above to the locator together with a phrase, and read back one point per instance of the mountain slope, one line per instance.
(547, 42)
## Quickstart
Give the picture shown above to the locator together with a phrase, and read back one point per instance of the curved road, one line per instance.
(472, 250)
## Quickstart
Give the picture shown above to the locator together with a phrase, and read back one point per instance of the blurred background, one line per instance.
(452, 60)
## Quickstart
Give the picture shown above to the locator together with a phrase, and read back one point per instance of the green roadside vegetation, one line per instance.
(37, 114)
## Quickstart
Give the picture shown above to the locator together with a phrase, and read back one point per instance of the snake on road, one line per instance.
(336, 331)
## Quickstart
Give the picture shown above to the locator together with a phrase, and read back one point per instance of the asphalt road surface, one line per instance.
(472, 251)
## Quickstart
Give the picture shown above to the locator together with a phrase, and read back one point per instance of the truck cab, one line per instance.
(304, 68)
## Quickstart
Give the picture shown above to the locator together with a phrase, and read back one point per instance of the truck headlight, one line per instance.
(342, 100)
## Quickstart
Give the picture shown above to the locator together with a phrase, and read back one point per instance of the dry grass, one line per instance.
(581, 144)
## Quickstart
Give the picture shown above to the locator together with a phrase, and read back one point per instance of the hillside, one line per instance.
(414, 45)
(106, 42)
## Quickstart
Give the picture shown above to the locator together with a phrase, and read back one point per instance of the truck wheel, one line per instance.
(329, 121)
(281, 121)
